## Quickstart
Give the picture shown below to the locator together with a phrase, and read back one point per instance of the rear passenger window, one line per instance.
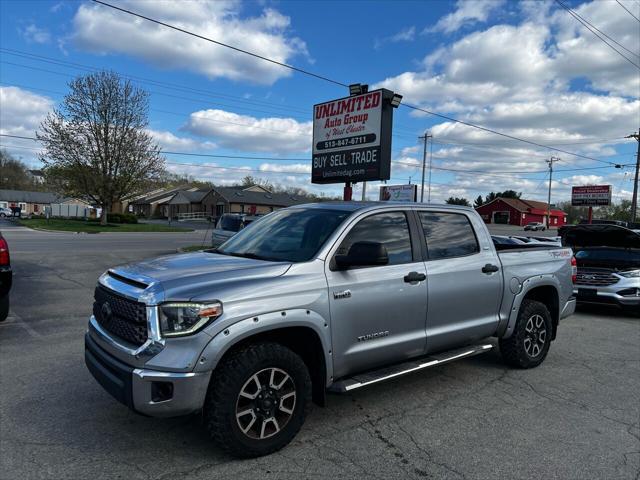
(390, 229)
(448, 235)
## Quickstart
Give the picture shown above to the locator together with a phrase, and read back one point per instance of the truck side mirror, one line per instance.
(363, 254)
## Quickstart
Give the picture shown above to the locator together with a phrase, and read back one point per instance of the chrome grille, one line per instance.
(124, 318)
(596, 277)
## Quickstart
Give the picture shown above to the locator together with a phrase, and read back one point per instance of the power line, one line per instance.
(629, 11)
(504, 173)
(188, 114)
(143, 80)
(579, 17)
(594, 30)
(321, 77)
(169, 85)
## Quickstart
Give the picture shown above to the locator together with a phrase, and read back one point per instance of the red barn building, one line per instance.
(517, 211)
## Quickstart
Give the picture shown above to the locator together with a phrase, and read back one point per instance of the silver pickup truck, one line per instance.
(316, 298)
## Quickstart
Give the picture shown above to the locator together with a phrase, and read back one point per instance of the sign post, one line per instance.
(352, 139)
(591, 196)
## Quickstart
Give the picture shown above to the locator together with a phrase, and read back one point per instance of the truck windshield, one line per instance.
(290, 235)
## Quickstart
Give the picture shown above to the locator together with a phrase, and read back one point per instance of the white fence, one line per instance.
(199, 216)
(68, 210)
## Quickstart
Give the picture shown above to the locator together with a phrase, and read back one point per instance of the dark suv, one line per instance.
(6, 278)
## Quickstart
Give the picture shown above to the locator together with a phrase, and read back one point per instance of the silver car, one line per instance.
(608, 258)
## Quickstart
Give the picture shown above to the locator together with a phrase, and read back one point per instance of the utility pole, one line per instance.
(364, 191)
(634, 198)
(430, 165)
(550, 162)
(425, 138)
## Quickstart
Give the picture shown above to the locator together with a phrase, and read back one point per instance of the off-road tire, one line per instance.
(4, 307)
(513, 349)
(226, 384)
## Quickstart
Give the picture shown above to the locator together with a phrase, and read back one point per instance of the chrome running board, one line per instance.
(387, 373)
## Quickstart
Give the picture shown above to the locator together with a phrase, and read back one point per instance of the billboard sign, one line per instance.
(399, 193)
(591, 196)
(352, 138)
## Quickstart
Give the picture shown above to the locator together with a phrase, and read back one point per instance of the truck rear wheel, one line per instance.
(258, 400)
(528, 345)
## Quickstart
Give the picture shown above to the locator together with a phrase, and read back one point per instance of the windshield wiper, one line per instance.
(253, 256)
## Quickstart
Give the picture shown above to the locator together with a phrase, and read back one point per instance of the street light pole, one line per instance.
(634, 198)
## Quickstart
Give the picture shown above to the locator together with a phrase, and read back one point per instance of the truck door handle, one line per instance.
(413, 277)
(488, 268)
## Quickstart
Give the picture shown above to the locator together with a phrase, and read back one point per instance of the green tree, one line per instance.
(478, 202)
(96, 143)
(14, 174)
(458, 201)
(506, 194)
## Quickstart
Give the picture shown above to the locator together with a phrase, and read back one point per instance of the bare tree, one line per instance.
(96, 145)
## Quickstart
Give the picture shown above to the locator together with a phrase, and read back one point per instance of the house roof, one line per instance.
(29, 197)
(158, 195)
(526, 206)
(249, 196)
(186, 196)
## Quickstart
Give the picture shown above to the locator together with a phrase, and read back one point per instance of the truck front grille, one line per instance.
(595, 277)
(125, 318)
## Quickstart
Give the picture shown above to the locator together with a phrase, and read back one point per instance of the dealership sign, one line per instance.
(352, 138)
(591, 196)
(399, 193)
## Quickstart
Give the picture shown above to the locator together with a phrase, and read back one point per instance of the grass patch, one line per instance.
(72, 225)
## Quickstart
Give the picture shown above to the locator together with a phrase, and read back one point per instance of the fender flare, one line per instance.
(248, 327)
(547, 280)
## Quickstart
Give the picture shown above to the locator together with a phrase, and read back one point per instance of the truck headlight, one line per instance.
(630, 274)
(179, 319)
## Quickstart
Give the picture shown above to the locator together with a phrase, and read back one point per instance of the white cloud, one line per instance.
(273, 134)
(467, 12)
(407, 34)
(21, 112)
(34, 34)
(102, 30)
(547, 80)
(290, 168)
(170, 141)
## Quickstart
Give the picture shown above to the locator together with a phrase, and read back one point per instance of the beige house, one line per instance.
(34, 203)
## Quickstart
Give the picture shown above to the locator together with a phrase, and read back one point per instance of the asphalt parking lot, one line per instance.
(575, 417)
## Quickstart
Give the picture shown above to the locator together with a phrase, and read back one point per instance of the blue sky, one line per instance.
(524, 68)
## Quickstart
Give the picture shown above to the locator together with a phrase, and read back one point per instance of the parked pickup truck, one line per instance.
(330, 296)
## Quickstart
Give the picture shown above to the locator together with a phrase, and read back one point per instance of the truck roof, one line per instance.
(355, 206)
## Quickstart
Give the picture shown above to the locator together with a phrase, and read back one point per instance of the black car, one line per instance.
(6, 277)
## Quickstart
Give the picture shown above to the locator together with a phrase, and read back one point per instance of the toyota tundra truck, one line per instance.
(317, 298)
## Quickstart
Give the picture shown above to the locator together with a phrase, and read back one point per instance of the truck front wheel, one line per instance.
(258, 399)
(529, 343)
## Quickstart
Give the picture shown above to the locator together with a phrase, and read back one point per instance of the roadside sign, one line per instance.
(352, 138)
(399, 193)
(591, 195)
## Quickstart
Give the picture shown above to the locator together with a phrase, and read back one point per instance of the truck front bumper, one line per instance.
(149, 392)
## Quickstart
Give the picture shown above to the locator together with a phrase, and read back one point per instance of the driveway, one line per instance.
(575, 417)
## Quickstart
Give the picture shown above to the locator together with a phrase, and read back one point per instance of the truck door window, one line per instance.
(448, 235)
(390, 229)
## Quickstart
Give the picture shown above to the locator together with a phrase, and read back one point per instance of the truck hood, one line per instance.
(600, 236)
(189, 275)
